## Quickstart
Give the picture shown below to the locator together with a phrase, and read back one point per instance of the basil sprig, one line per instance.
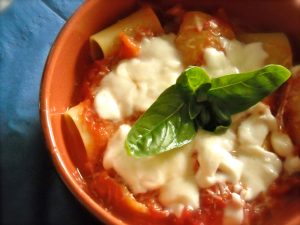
(195, 102)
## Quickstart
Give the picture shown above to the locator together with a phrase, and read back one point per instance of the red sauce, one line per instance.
(109, 190)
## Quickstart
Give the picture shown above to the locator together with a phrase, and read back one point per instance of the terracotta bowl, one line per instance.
(69, 58)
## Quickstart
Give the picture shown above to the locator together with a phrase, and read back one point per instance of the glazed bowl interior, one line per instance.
(70, 57)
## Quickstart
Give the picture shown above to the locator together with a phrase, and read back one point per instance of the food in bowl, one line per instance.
(167, 142)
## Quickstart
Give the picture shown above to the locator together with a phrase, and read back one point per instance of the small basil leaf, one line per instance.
(194, 108)
(201, 93)
(238, 92)
(191, 79)
(195, 100)
(221, 116)
(164, 126)
(204, 116)
(212, 118)
(220, 129)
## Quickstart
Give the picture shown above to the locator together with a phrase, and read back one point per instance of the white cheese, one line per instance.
(228, 157)
(239, 156)
(245, 57)
(108, 104)
(261, 168)
(237, 57)
(179, 193)
(283, 146)
(121, 92)
(171, 173)
(292, 164)
(133, 85)
(217, 164)
(217, 64)
(234, 212)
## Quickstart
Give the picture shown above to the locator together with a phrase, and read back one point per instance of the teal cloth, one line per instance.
(31, 190)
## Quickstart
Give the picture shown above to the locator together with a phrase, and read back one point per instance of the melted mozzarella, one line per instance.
(179, 193)
(240, 156)
(234, 211)
(228, 157)
(283, 147)
(171, 173)
(238, 57)
(217, 164)
(132, 85)
(261, 167)
(292, 164)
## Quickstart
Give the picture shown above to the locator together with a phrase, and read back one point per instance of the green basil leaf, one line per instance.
(164, 126)
(212, 118)
(221, 119)
(200, 96)
(195, 102)
(220, 129)
(204, 116)
(238, 92)
(191, 79)
(221, 116)
(201, 93)
(194, 108)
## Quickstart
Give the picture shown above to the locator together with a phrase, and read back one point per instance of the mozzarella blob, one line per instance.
(246, 155)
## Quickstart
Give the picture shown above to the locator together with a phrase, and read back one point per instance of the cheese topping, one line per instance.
(132, 85)
(237, 57)
(170, 172)
(243, 155)
(237, 156)
(234, 212)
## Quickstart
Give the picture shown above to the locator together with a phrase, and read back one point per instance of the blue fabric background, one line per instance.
(31, 190)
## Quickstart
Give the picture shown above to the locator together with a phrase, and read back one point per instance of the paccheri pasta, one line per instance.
(237, 176)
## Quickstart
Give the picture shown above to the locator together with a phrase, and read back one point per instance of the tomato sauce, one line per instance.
(109, 190)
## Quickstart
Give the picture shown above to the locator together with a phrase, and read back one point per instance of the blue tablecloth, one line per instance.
(31, 190)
